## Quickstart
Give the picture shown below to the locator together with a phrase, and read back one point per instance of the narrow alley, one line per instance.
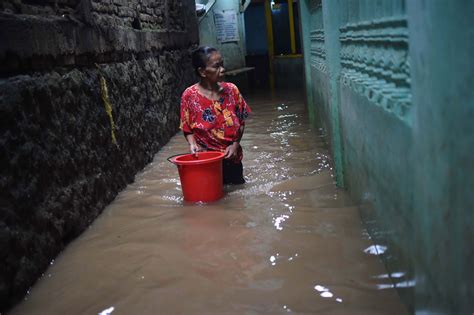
(358, 156)
(288, 241)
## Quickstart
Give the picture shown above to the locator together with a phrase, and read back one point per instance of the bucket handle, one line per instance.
(170, 157)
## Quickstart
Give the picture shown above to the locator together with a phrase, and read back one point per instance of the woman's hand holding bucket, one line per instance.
(193, 146)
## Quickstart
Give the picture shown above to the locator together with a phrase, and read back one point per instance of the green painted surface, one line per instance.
(441, 51)
(305, 18)
(379, 167)
(395, 79)
(332, 20)
(233, 52)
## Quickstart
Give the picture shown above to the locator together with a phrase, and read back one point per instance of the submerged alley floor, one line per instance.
(288, 241)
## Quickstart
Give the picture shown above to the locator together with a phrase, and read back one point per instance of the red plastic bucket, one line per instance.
(200, 175)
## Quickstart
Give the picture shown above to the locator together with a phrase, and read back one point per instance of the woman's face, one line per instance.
(214, 71)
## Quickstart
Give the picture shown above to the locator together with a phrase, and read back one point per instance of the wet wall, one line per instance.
(89, 92)
(389, 81)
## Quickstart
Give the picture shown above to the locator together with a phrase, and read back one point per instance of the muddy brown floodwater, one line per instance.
(288, 241)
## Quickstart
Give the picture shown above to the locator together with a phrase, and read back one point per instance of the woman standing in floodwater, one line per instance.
(213, 113)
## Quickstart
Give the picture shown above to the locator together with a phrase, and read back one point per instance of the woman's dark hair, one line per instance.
(200, 56)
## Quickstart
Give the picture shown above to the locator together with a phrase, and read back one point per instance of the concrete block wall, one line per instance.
(89, 92)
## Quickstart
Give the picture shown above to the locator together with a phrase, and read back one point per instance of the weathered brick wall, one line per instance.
(59, 166)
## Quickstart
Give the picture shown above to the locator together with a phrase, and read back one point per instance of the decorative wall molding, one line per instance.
(374, 60)
(318, 52)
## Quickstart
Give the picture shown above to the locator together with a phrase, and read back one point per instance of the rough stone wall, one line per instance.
(139, 14)
(59, 164)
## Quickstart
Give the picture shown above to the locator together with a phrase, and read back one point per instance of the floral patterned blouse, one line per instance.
(215, 124)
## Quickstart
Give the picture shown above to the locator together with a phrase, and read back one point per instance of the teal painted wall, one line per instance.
(305, 13)
(441, 52)
(322, 67)
(392, 82)
(233, 52)
(375, 125)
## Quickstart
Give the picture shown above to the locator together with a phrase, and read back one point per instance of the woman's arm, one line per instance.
(232, 150)
(193, 146)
